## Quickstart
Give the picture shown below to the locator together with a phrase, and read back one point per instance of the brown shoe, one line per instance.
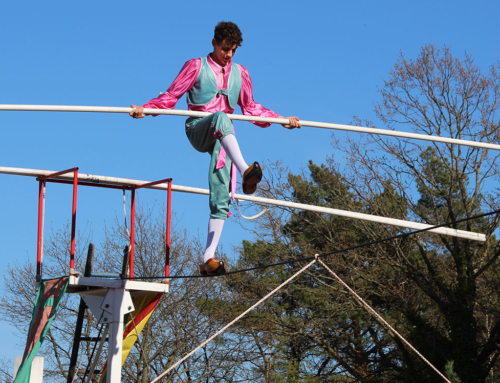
(212, 267)
(252, 176)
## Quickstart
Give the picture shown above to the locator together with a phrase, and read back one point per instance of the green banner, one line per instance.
(48, 298)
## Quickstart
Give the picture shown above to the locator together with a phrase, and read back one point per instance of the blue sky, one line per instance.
(319, 60)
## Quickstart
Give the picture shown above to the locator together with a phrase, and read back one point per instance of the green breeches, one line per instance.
(205, 135)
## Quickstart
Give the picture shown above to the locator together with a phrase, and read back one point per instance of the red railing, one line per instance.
(50, 178)
(167, 245)
(132, 224)
(42, 180)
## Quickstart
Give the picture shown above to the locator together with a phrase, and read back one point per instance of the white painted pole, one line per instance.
(36, 374)
(312, 124)
(185, 189)
(118, 303)
(115, 343)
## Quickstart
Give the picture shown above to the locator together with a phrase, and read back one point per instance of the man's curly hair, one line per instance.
(229, 33)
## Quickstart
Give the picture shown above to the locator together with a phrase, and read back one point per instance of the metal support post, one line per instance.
(132, 234)
(73, 222)
(39, 247)
(117, 302)
(167, 245)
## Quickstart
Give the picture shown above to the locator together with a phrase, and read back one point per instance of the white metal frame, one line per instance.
(185, 189)
(110, 300)
(312, 124)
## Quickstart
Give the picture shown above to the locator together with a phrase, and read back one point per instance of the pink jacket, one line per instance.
(186, 79)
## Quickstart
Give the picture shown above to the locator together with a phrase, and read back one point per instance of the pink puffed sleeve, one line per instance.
(182, 83)
(248, 106)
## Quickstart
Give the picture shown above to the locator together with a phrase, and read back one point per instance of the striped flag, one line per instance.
(134, 323)
(48, 298)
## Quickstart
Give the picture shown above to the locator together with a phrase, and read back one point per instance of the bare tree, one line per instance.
(442, 293)
(439, 94)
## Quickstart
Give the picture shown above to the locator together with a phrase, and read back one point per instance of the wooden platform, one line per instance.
(99, 286)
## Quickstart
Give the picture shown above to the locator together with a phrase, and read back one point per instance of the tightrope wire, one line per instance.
(402, 235)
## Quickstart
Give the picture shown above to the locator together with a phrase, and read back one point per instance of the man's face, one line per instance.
(223, 53)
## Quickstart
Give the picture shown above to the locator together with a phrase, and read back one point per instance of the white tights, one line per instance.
(232, 149)
(215, 226)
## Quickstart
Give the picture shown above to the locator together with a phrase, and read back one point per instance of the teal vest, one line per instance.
(205, 88)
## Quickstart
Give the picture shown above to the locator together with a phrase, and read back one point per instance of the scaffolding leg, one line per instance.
(79, 320)
(118, 303)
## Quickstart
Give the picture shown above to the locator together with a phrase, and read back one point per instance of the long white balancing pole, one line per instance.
(312, 124)
(185, 189)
